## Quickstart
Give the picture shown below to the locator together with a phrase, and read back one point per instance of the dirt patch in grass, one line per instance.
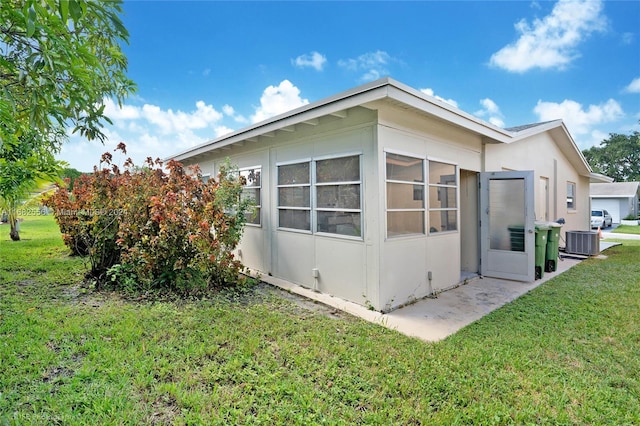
(264, 290)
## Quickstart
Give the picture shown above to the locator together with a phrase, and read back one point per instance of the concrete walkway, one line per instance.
(433, 319)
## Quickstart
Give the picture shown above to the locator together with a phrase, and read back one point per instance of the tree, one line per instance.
(21, 168)
(59, 60)
(71, 174)
(617, 157)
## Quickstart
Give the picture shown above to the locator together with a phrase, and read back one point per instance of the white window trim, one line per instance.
(437, 185)
(424, 210)
(575, 191)
(295, 185)
(313, 196)
(259, 205)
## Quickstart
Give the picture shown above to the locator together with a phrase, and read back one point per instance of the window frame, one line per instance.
(313, 200)
(571, 205)
(414, 187)
(296, 185)
(314, 195)
(258, 205)
(456, 187)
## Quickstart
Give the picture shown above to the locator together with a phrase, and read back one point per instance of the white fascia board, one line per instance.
(437, 108)
(600, 178)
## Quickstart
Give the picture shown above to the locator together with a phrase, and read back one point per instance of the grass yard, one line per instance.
(566, 353)
(626, 229)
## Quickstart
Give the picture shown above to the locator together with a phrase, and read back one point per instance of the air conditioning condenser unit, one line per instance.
(583, 242)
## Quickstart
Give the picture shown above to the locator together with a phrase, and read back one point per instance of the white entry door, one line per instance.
(507, 230)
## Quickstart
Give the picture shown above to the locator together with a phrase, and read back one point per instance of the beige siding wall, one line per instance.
(541, 154)
(406, 261)
(347, 267)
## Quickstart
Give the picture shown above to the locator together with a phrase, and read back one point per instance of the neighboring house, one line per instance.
(620, 199)
(382, 195)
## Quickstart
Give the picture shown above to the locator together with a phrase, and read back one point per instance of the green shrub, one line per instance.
(154, 228)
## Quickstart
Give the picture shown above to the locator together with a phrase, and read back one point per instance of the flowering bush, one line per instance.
(150, 228)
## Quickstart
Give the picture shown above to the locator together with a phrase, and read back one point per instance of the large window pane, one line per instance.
(295, 219)
(253, 216)
(252, 194)
(405, 222)
(343, 223)
(442, 173)
(345, 169)
(296, 196)
(443, 220)
(571, 196)
(292, 174)
(404, 196)
(441, 197)
(338, 196)
(400, 167)
(251, 177)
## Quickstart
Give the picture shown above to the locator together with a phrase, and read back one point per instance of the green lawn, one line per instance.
(626, 229)
(566, 353)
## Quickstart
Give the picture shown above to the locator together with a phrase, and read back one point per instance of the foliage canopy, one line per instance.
(59, 60)
(617, 157)
(146, 228)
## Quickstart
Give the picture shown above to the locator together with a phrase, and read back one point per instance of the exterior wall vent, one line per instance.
(583, 242)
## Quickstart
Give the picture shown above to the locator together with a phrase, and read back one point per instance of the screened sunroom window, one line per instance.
(443, 197)
(252, 190)
(405, 195)
(294, 196)
(338, 196)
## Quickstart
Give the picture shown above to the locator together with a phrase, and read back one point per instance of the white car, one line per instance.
(600, 218)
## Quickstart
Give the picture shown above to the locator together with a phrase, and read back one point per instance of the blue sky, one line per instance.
(205, 68)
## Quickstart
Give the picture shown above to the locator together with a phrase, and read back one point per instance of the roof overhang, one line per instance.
(600, 178)
(388, 91)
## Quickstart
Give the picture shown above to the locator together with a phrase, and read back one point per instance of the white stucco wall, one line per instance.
(375, 270)
(541, 154)
(406, 261)
(346, 266)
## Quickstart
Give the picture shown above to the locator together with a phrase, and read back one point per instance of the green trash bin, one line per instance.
(542, 234)
(551, 258)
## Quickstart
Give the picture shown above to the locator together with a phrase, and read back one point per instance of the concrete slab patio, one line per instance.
(433, 319)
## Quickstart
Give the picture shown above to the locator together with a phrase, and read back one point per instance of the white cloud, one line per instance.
(230, 111)
(313, 60)
(373, 64)
(170, 122)
(634, 86)
(147, 130)
(551, 42)
(428, 91)
(627, 38)
(578, 120)
(116, 112)
(222, 130)
(151, 131)
(276, 100)
(491, 111)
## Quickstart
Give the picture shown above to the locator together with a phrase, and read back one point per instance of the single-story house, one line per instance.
(620, 199)
(382, 195)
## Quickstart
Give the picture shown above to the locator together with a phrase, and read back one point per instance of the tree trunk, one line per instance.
(14, 233)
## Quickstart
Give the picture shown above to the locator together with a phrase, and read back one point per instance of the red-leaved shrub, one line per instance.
(148, 227)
